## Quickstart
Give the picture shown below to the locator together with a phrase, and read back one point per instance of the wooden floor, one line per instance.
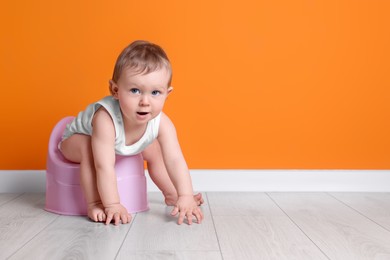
(237, 226)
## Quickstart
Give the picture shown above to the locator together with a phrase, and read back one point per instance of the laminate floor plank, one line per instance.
(172, 255)
(156, 233)
(21, 220)
(252, 226)
(75, 237)
(374, 205)
(338, 230)
(7, 197)
(246, 225)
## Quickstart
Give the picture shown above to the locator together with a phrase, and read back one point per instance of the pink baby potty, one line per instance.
(63, 191)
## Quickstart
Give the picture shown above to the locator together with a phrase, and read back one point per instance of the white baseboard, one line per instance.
(240, 180)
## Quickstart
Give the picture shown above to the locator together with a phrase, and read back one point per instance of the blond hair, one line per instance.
(142, 57)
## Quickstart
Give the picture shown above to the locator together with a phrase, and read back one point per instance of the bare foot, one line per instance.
(171, 200)
(96, 212)
(199, 199)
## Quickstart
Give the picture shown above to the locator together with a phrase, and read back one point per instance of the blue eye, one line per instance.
(156, 93)
(135, 91)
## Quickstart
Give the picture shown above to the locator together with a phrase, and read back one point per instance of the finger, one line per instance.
(199, 216)
(175, 211)
(189, 218)
(117, 218)
(109, 218)
(124, 218)
(181, 218)
(201, 213)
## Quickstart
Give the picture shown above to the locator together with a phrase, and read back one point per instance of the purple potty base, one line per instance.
(64, 194)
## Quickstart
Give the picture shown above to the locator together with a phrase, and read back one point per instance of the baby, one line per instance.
(128, 122)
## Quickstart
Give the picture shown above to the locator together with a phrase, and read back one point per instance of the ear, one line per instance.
(170, 88)
(113, 88)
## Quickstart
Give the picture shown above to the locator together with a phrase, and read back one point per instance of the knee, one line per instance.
(77, 148)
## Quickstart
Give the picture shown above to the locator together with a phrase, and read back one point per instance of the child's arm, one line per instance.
(103, 143)
(178, 172)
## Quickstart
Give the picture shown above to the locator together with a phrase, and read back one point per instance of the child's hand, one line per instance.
(187, 206)
(117, 213)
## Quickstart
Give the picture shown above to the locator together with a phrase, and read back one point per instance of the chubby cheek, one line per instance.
(159, 107)
(128, 108)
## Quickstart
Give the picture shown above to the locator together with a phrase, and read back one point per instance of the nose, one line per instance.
(144, 101)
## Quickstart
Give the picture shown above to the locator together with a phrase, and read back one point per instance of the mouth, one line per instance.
(142, 113)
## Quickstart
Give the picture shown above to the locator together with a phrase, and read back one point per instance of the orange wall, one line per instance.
(258, 84)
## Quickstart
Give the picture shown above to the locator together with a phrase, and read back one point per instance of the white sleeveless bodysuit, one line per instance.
(82, 124)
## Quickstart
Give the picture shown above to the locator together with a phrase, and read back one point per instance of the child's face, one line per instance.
(141, 96)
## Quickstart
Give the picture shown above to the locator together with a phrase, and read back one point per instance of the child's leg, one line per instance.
(159, 174)
(77, 148)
